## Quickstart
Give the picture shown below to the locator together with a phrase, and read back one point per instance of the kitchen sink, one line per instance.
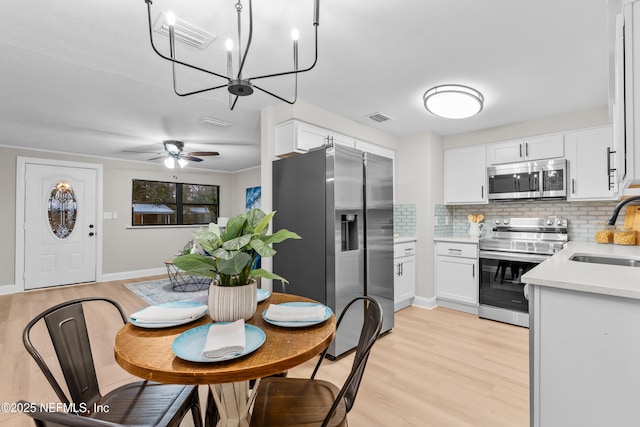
(597, 259)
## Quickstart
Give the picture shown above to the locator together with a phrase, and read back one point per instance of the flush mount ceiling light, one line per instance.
(237, 84)
(453, 101)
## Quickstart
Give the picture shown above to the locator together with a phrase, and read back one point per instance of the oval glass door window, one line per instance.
(62, 209)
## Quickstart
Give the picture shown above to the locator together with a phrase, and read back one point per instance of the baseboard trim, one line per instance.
(423, 302)
(123, 275)
(9, 289)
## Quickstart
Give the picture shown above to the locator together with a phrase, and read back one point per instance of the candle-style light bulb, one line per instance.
(294, 36)
(171, 19)
(229, 46)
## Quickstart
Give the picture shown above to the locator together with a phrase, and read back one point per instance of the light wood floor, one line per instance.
(436, 368)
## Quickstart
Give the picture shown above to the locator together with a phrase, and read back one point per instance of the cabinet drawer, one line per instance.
(404, 249)
(463, 250)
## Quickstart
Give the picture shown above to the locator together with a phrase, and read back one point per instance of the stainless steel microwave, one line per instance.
(530, 180)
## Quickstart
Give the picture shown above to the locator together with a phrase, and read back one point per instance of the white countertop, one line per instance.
(404, 239)
(559, 272)
(458, 239)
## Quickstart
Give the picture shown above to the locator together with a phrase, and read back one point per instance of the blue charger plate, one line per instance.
(189, 344)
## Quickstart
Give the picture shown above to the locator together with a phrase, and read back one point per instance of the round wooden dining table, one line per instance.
(147, 353)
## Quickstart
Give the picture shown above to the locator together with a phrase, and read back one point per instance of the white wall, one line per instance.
(240, 181)
(564, 122)
(419, 181)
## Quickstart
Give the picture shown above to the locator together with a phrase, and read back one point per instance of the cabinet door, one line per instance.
(465, 175)
(457, 279)
(505, 152)
(590, 164)
(404, 280)
(336, 138)
(309, 137)
(296, 137)
(544, 147)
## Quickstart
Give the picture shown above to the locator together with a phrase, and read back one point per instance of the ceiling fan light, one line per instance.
(453, 101)
(172, 147)
(182, 162)
(169, 162)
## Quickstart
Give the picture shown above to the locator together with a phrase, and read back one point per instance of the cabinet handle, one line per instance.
(455, 250)
(473, 270)
(402, 268)
(520, 150)
(526, 149)
(482, 191)
(609, 169)
(573, 186)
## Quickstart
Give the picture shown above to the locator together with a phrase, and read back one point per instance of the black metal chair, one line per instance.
(310, 402)
(142, 403)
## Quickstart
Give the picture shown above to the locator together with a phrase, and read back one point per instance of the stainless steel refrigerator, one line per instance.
(340, 200)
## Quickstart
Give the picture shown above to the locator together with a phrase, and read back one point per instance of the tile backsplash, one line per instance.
(584, 217)
(404, 220)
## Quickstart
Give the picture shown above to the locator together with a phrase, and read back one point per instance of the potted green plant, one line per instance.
(230, 260)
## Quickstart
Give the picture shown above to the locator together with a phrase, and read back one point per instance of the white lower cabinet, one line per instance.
(584, 353)
(457, 276)
(404, 274)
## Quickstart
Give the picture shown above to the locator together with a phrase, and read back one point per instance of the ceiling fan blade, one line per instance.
(191, 158)
(204, 153)
(156, 158)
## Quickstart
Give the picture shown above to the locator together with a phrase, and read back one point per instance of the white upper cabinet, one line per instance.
(465, 175)
(528, 149)
(626, 107)
(591, 164)
(295, 137)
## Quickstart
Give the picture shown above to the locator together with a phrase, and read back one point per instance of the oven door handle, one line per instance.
(512, 256)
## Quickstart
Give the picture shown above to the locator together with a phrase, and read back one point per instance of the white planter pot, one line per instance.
(231, 303)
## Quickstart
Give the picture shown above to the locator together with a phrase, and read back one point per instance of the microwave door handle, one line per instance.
(541, 182)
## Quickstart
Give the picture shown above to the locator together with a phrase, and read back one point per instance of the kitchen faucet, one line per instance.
(616, 210)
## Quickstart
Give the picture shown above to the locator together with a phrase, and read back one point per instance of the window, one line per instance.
(171, 203)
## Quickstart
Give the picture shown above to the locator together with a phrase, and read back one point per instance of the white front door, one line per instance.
(60, 225)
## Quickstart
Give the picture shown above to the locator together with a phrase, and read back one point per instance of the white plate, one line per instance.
(175, 304)
(263, 294)
(295, 324)
(189, 344)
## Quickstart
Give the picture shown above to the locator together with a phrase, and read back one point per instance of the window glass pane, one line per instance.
(206, 194)
(153, 192)
(199, 214)
(62, 210)
(154, 214)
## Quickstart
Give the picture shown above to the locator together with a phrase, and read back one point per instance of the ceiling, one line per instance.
(80, 76)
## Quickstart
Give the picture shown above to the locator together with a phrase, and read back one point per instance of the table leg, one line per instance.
(233, 401)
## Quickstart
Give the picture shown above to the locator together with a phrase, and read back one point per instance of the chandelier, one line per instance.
(236, 83)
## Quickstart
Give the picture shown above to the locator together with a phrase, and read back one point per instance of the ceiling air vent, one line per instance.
(378, 117)
(185, 32)
(210, 121)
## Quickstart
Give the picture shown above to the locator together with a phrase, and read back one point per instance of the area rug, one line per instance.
(160, 291)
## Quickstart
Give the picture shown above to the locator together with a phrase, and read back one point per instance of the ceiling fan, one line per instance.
(176, 154)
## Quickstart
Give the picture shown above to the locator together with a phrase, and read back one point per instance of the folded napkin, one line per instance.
(292, 313)
(158, 314)
(224, 340)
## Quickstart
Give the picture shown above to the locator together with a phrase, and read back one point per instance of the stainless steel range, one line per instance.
(515, 247)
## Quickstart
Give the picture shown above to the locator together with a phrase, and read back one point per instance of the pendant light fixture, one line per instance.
(453, 101)
(236, 83)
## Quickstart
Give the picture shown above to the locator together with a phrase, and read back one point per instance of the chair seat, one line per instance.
(146, 403)
(313, 399)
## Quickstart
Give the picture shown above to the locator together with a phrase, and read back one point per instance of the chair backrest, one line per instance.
(371, 327)
(44, 418)
(68, 332)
